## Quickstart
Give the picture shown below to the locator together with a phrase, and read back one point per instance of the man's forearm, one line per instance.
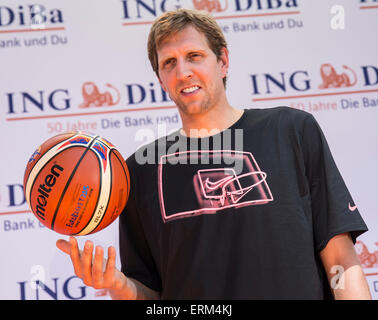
(132, 289)
(344, 270)
(351, 285)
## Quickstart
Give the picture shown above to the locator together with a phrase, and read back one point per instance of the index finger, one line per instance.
(64, 246)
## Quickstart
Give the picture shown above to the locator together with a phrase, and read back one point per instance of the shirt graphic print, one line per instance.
(207, 181)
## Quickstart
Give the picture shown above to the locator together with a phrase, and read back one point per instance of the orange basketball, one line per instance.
(76, 183)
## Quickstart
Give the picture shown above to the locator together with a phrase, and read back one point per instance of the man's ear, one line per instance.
(225, 61)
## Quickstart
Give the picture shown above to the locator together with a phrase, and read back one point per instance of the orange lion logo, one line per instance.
(367, 259)
(331, 79)
(94, 98)
(209, 5)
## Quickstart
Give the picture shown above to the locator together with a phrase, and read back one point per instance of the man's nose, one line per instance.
(183, 70)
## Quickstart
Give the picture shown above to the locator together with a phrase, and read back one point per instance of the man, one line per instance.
(262, 215)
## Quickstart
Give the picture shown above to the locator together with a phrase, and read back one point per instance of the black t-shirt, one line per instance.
(242, 214)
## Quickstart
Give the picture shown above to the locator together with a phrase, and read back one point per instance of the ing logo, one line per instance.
(211, 5)
(302, 80)
(146, 9)
(332, 79)
(92, 97)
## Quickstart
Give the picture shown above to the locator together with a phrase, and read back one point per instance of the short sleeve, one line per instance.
(333, 209)
(135, 255)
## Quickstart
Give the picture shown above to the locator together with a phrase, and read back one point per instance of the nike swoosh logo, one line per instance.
(215, 185)
(352, 208)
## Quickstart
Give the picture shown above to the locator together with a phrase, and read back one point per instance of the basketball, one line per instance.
(76, 183)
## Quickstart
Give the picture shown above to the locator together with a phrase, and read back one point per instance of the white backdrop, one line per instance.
(278, 50)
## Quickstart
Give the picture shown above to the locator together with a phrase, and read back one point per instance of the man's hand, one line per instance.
(96, 271)
(99, 273)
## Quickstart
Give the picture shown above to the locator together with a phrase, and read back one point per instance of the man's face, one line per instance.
(190, 72)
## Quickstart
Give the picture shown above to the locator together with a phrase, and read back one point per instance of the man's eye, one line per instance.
(195, 55)
(168, 62)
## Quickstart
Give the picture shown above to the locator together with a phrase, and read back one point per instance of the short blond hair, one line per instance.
(172, 22)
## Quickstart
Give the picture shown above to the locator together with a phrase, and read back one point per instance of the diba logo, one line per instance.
(370, 4)
(33, 15)
(258, 5)
(134, 10)
(92, 97)
(59, 100)
(301, 80)
(16, 196)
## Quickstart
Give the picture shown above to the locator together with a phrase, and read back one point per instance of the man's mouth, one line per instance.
(190, 89)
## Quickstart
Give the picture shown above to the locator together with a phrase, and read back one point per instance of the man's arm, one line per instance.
(99, 273)
(344, 270)
(132, 289)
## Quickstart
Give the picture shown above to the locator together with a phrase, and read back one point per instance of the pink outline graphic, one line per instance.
(215, 186)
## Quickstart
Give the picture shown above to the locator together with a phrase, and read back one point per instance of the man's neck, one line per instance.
(211, 122)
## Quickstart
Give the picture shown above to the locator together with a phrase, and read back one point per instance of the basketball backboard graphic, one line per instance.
(197, 182)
